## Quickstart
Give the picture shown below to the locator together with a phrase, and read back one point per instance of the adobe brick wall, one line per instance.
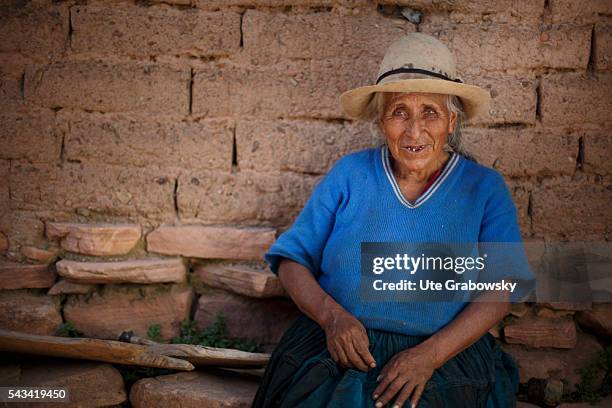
(211, 112)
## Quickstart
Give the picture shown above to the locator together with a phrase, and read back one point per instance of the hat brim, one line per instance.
(476, 100)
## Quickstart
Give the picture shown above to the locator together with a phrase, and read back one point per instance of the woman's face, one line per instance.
(416, 126)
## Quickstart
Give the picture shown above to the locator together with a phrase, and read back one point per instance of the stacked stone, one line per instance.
(104, 293)
(150, 153)
(547, 343)
(106, 311)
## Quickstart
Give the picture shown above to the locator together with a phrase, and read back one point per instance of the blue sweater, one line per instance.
(359, 201)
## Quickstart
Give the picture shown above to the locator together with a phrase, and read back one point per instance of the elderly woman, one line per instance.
(420, 186)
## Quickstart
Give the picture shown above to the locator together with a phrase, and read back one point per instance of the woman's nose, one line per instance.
(414, 127)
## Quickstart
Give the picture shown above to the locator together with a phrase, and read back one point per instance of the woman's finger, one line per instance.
(404, 395)
(385, 380)
(344, 362)
(333, 353)
(417, 395)
(354, 357)
(362, 349)
(391, 391)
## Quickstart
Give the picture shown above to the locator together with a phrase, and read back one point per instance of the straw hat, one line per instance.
(417, 62)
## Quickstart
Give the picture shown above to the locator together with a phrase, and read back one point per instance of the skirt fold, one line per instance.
(302, 374)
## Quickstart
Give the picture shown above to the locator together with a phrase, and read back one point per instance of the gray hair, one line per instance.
(374, 111)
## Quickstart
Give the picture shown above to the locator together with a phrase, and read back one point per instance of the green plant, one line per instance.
(189, 334)
(215, 335)
(67, 329)
(154, 333)
(588, 390)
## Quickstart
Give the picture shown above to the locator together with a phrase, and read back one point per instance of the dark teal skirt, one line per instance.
(301, 373)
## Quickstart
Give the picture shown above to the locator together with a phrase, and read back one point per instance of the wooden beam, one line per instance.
(109, 351)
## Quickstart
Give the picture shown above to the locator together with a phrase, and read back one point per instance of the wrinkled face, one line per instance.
(416, 126)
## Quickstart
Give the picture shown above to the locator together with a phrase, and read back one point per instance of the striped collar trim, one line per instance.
(452, 163)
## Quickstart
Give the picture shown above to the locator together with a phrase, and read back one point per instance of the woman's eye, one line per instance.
(399, 112)
(430, 112)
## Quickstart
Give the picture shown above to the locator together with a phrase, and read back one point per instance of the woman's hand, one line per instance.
(347, 341)
(405, 374)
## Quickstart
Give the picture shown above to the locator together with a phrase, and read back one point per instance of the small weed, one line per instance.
(587, 390)
(67, 329)
(154, 333)
(215, 335)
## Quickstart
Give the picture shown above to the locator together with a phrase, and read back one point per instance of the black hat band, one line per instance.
(417, 71)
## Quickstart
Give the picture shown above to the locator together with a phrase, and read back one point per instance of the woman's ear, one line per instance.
(453, 122)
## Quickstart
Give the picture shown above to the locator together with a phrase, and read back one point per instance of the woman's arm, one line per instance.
(347, 340)
(469, 325)
(408, 371)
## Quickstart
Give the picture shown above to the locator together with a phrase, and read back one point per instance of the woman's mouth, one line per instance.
(414, 148)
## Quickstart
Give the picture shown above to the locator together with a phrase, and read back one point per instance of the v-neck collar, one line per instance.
(448, 168)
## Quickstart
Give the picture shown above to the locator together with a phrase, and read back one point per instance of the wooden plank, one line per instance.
(201, 356)
(109, 351)
(241, 279)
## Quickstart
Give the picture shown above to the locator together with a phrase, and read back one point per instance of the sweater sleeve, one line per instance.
(305, 240)
(500, 239)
